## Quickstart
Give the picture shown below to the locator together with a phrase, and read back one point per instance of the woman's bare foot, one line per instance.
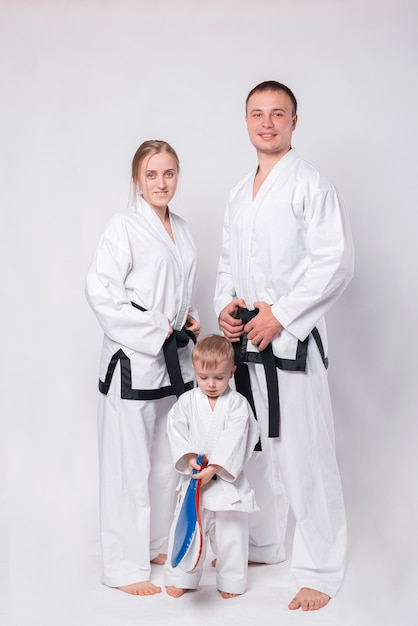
(175, 592)
(160, 559)
(309, 600)
(227, 595)
(144, 588)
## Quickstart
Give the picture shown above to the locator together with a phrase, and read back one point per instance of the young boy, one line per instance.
(216, 421)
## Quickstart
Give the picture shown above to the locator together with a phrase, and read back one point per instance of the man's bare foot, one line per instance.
(309, 600)
(227, 595)
(144, 588)
(160, 559)
(175, 592)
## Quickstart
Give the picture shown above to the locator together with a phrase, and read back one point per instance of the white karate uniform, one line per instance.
(137, 262)
(291, 247)
(227, 435)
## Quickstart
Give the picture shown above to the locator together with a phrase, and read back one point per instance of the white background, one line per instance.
(83, 84)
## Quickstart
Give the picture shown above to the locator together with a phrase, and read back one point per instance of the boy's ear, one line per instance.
(233, 370)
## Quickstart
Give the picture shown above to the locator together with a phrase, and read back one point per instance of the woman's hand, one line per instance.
(170, 330)
(193, 325)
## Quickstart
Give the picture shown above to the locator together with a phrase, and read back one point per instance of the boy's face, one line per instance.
(213, 380)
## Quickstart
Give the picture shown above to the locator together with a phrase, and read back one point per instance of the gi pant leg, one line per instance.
(176, 576)
(231, 533)
(305, 458)
(267, 527)
(137, 484)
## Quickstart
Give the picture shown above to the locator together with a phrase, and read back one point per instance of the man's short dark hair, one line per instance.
(273, 85)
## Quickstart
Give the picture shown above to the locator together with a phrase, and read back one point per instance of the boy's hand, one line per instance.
(191, 459)
(206, 474)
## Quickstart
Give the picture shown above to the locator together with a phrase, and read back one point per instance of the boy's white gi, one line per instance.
(227, 435)
(140, 282)
(291, 247)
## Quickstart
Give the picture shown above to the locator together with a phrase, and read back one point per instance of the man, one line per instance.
(287, 255)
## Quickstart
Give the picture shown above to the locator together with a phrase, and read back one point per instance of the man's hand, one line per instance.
(231, 327)
(264, 327)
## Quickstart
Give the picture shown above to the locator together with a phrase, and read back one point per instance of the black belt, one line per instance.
(177, 339)
(242, 376)
(270, 362)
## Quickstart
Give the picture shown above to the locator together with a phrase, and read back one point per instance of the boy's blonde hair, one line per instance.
(212, 350)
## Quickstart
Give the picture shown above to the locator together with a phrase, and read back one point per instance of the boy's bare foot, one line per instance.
(227, 595)
(175, 592)
(144, 588)
(309, 600)
(160, 559)
(213, 563)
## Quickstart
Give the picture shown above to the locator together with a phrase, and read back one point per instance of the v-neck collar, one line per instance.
(281, 165)
(143, 207)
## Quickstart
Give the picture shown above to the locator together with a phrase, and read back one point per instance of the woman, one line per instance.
(139, 286)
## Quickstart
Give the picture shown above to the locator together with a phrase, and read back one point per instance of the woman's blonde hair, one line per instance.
(148, 149)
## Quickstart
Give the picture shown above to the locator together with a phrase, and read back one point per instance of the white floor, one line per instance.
(54, 573)
(63, 589)
(270, 588)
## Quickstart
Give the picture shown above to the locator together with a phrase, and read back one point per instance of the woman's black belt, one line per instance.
(178, 339)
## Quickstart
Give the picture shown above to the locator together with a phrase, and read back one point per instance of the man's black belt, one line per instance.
(242, 375)
(270, 362)
(178, 339)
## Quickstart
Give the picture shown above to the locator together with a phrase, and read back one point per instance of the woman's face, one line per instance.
(157, 180)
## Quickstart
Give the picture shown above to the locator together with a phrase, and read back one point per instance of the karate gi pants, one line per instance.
(299, 469)
(228, 534)
(137, 484)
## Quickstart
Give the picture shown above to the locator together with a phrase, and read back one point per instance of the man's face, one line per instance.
(270, 121)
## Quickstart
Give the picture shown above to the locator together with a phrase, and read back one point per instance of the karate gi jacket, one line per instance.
(290, 247)
(229, 442)
(140, 282)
